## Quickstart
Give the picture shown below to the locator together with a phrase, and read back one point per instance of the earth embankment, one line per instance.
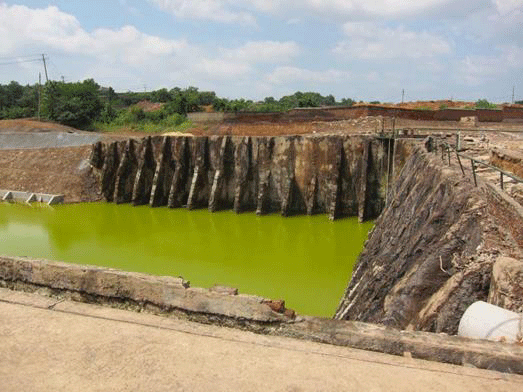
(431, 253)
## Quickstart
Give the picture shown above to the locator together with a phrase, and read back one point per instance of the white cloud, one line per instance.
(243, 11)
(284, 75)
(507, 6)
(370, 41)
(263, 52)
(51, 28)
(475, 70)
(376, 7)
(215, 10)
(222, 69)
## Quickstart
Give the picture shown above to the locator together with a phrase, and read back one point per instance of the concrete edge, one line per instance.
(90, 283)
(483, 354)
(30, 197)
(173, 296)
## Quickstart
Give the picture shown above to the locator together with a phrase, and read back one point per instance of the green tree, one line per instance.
(74, 104)
(484, 104)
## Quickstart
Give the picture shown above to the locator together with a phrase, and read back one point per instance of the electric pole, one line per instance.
(402, 95)
(39, 92)
(513, 94)
(45, 68)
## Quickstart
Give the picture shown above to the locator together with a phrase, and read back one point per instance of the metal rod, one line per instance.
(501, 179)
(460, 165)
(388, 174)
(514, 177)
(393, 154)
(474, 171)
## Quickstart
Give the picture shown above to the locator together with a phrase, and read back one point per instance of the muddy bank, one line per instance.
(432, 251)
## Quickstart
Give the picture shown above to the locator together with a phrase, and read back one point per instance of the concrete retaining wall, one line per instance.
(337, 175)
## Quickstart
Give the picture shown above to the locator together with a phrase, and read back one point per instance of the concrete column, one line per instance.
(163, 175)
(145, 175)
(126, 174)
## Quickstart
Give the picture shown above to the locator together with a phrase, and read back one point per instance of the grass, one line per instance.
(143, 126)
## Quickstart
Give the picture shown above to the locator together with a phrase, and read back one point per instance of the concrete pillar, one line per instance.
(110, 166)
(126, 174)
(145, 175)
(163, 175)
(178, 192)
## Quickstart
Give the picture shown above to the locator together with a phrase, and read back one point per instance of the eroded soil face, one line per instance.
(63, 171)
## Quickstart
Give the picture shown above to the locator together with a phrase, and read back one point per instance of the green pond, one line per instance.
(305, 260)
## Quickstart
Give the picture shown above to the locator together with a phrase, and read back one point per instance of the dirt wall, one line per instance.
(353, 112)
(431, 252)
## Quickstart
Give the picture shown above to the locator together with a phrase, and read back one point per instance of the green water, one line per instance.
(305, 260)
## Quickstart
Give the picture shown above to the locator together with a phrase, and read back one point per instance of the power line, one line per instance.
(19, 57)
(20, 61)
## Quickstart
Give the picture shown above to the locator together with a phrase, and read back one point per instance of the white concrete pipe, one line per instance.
(486, 321)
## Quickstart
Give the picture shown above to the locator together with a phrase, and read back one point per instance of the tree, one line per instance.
(484, 104)
(74, 104)
(161, 95)
(347, 102)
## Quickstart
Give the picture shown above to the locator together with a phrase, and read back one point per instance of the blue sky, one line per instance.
(434, 49)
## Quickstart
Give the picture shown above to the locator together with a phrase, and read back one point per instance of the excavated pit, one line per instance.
(434, 245)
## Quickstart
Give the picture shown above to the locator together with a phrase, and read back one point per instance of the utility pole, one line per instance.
(513, 94)
(39, 92)
(45, 68)
(402, 95)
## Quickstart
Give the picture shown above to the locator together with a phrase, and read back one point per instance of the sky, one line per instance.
(365, 50)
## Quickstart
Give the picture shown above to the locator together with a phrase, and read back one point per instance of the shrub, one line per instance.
(484, 104)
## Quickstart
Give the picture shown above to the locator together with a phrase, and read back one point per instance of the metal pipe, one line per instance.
(514, 177)
(474, 171)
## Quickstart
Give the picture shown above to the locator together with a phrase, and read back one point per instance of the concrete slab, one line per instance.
(30, 197)
(17, 140)
(84, 347)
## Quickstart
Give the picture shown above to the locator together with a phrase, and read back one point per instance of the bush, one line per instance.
(108, 113)
(484, 104)
(174, 120)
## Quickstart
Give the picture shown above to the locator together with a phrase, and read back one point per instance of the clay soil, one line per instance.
(50, 170)
(33, 125)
